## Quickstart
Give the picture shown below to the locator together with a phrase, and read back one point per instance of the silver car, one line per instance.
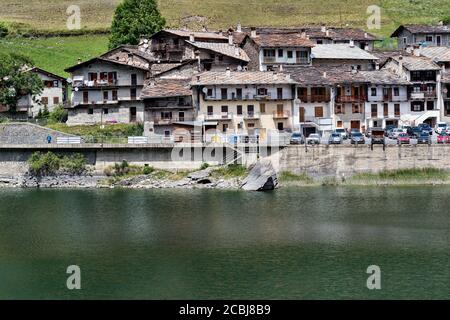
(335, 138)
(313, 138)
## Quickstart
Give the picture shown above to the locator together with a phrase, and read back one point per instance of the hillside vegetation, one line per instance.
(39, 18)
(97, 14)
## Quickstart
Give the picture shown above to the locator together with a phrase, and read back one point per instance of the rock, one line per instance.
(262, 177)
(200, 175)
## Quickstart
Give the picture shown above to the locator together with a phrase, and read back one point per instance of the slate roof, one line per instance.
(47, 73)
(307, 76)
(384, 56)
(197, 34)
(166, 88)
(278, 40)
(245, 77)
(383, 77)
(77, 66)
(158, 68)
(446, 77)
(414, 63)
(222, 48)
(437, 54)
(418, 29)
(340, 51)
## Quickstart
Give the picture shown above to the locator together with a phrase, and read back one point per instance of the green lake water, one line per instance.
(294, 243)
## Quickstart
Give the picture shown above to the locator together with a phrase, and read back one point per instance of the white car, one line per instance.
(441, 126)
(395, 132)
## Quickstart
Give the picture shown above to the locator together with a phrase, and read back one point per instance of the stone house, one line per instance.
(416, 35)
(54, 94)
(106, 91)
(337, 55)
(272, 51)
(249, 102)
(424, 93)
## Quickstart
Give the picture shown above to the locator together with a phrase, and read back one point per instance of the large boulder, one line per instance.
(262, 177)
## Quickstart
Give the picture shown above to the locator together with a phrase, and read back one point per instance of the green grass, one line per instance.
(404, 175)
(57, 53)
(288, 177)
(114, 133)
(229, 172)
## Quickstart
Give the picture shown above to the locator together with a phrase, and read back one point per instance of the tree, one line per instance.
(15, 82)
(132, 19)
(446, 20)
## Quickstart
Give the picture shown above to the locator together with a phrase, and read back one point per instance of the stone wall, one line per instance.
(320, 161)
(26, 133)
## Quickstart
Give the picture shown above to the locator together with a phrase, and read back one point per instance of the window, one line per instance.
(90, 111)
(374, 110)
(339, 124)
(280, 126)
(319, 41)
(251, 110)
(114, 95)
(429, 38)
(92, 76)
(220, 57)
(134, 79)
(417, 106)
(105, 110)
(405, 40)
(250, 125)
(339, 109)
(397, 110)
(280, 53)
(290, 54)
(262, 92)
(396, 91)
(224, 93)
(280, 109)
(262, 107)
(85, 96)
(239, 93)
(279, 93)
(269, 53)
(166, 115)
(430, 105)
(302, 56)
(386, 110)
(133, 93)
(239, 110)
(112, 77)
(224, 109)
(225, 127)
(55, 100)
(356, 108)
(210, 110)
(103, 75)
(209, 92)
(44, 101)
(56, 84)
(373, 92)
(181, 116)
(318, 112)
(105, 95)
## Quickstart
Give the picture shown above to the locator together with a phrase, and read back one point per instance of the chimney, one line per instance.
(239, 27)
(230, 38)
(377, 66)
(198, 78)
(237, 52)
(366, 35)
(325, 74)
(352, 43)
(253, 32)
(79, 61)
(366, 47)
(327, 33)
(303, 34)
(192, 37)
(228, 72)
(400, 65)
(220, 32)
(323, 28)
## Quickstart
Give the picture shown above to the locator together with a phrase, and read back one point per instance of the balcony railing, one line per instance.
(166, 121)
(269, 59)
(95, 83)
(219, 116)
(315, 98)
(418, 95)
(166, 47)
(252, 115)
(347, 99)
(281, 114)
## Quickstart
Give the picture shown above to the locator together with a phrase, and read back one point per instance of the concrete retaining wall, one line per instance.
(320, 161)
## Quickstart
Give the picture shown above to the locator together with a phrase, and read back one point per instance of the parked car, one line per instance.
(357, 138)
(342, 132)
(388, 130)
(395, 133)
(403, 138)
(416, 132)
(297, 138)
(441, 126)
(313, 138)
(426, 127)
(335, 138)
(424, 137)
(377, 137)
(443, 137)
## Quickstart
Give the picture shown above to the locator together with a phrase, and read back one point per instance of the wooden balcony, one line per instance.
(350, 99)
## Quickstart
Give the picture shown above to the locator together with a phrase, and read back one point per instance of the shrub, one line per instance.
(3, 30)
(148, 170)
(58, 115)
(47, 164)
(204, 166)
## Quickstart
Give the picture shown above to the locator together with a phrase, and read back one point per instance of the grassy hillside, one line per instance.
(57, 53)
(97, 14)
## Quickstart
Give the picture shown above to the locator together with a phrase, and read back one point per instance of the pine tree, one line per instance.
(134, 18)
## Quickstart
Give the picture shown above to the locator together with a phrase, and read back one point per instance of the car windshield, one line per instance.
(442, 125)
(335, 135)
(424, 134)
(357, 134)
(296, 135)
(340, 130)
(403, 135)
